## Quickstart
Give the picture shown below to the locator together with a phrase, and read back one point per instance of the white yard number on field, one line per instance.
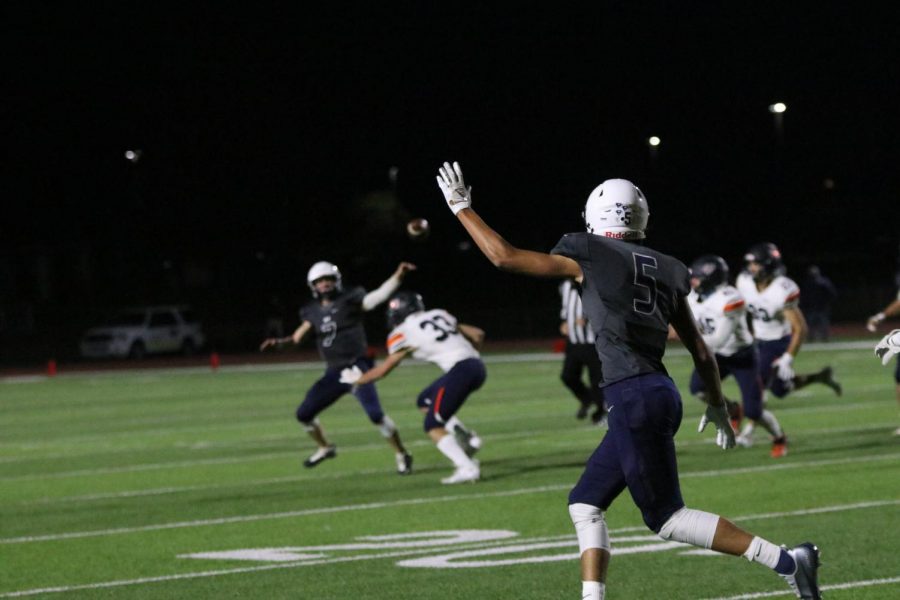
(451, 549)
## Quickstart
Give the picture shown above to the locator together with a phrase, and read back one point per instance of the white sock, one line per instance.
(771, 424)
(450, 448)
(592, 590)
(763, 552)
(452, 423)
(747, 431)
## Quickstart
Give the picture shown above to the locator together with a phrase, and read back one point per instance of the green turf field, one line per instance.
(135, 484)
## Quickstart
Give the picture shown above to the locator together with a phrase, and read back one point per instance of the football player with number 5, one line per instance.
(631, 294)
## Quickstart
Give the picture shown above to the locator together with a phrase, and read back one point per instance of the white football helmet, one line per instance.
(617, 209)
(323, 269)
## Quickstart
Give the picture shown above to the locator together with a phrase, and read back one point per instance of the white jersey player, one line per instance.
(770, 306)
(436, 336)
(721, 318)
(430, 336)
(778, 324)
(890, 344)
(721, 315)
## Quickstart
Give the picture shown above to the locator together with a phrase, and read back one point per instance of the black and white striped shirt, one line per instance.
(579, 330)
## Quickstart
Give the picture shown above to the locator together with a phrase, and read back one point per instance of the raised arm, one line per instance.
(390, 285)
(501, 253)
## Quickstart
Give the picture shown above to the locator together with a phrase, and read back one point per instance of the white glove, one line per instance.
(874, 320)
(351, 375)
(450, 180)
(718, 416)
(888, 346)
(783, 365)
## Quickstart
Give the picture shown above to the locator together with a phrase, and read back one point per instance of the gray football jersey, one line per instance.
(340, 336)
(629, 293)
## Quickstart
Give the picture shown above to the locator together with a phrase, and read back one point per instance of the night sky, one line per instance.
(267, 135)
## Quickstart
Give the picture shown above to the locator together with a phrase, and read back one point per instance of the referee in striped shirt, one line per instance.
(580, 354)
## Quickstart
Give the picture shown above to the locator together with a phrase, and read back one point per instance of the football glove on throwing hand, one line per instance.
(888, 346)
(450, 180)
(783, 365)
(351, 375)
(718, 416)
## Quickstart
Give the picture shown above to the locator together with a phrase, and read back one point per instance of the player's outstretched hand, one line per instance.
(269, 343)
(404, 268)
(450, 181)
(718, 416)
(874, 320)
(783, 365)
(888, 346)
(351, 375)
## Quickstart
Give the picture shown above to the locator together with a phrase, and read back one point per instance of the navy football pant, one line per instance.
(638, 451)
(744, 365)
(329, 388)
(769, 350)
(448, 392)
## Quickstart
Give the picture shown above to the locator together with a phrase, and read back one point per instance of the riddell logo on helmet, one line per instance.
(618, 235)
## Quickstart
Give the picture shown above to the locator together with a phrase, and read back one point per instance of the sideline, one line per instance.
(500, 358)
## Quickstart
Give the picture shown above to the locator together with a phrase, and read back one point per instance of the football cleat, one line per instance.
(829, 380)
(779, 447)
(404, 463)
(464, 475)
(805, 579)
(319, 455)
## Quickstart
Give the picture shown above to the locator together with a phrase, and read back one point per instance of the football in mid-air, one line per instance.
(418, 229)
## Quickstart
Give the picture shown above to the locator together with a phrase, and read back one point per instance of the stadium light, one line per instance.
(777, 108)
(133, 155)
(654, 141)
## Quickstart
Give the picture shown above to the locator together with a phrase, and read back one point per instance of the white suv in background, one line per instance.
(136, 332)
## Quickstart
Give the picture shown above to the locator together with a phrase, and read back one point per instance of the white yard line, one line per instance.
(280, 515)
(340, 475)
(354, 448)
(847, 585)
(408, 502)
(393, 554)
(204, 574)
